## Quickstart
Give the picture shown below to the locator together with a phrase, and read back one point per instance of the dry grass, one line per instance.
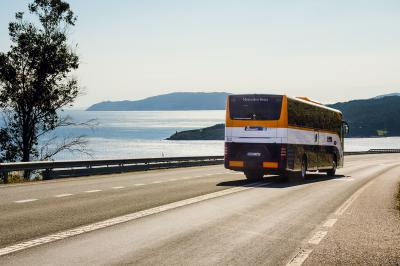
(18, 177)
(398, 198)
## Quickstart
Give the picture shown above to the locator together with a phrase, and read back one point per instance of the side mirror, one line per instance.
(346, 128)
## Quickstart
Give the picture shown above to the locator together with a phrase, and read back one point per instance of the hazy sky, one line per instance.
(327, 50)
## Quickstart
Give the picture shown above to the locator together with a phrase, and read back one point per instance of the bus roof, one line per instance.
(314, 103)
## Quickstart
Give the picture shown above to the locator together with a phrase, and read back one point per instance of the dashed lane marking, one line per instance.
(124, 218)
(156, 182)
(120, 187)
(300, 257)
(172, 179)
(317, 237)
(330, 223)
(25, 200)
(63, 195)
(138, 185)
(93, 191)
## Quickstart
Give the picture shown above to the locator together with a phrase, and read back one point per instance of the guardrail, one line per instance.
(60, 169)
(372, 151)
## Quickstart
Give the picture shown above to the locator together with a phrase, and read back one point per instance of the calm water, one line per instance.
(139, 134)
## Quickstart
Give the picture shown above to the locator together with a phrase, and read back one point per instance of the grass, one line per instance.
(398, 198)
(18, 177)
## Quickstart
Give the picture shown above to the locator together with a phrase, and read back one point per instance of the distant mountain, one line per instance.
(171, 101)
(387, 95)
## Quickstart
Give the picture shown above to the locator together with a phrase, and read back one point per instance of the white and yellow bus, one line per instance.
(277, 134)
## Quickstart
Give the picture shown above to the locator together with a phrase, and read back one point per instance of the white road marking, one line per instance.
(93, 191)
(317, 237)
(186, 177)
(300, 257)
(138, 185)
(345, 179)
(124, 218)
(63, 195)
(330, 223)
(156, 182)
(25, 200)
(348, 202)
(172, 179)
(118, 187)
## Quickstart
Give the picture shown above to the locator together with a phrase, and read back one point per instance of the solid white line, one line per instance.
(300, 257)
(92, 191)
(330, 223)
(117, 187)
(317, 237)
(63, 195)
(345, 179)
(124, 218)
(25, 200)
(342, 209)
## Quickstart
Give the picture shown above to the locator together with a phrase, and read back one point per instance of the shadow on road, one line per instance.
(280, 182)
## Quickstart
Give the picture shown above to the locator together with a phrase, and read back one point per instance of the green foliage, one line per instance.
(371, 117)
(35, 78)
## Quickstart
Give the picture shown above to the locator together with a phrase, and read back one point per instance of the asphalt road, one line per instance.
(206, 216)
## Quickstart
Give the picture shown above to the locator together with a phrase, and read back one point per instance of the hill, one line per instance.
(171, 101)
(372, 117)
(215, 132)
(386, 95)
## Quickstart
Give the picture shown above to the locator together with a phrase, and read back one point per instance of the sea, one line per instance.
(142, 134)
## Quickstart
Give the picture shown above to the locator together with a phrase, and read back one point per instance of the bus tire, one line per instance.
(303, 171)
(254, 175)
(332, 171)
(300, 175)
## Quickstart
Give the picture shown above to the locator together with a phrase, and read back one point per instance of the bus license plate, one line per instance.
(254, 154)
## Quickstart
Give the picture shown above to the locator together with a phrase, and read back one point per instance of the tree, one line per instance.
(36, 80)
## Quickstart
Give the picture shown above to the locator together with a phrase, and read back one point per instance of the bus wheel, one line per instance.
(303, 171)
(331, 172)
(254, 175)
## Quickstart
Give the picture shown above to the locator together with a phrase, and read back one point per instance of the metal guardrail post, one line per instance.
(5, 177)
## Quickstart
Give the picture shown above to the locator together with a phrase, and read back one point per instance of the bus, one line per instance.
(287, 136)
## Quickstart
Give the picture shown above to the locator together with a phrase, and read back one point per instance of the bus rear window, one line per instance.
(255, 107)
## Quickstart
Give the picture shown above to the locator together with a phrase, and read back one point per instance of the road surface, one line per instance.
(206, 216)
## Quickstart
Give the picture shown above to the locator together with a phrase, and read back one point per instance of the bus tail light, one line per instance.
(226, 150)
(283, 152)
(236, 163)
(270, 165)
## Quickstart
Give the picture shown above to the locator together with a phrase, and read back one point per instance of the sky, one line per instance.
(329, 51)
